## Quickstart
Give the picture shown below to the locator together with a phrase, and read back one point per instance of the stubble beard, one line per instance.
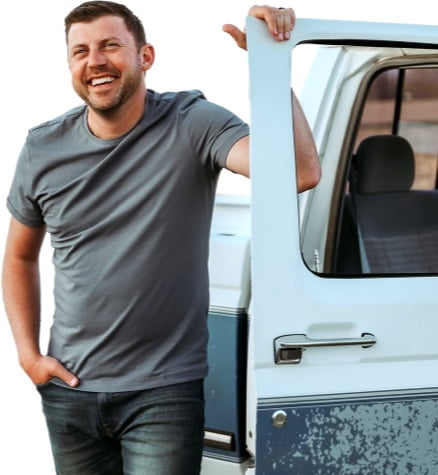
(108, 107)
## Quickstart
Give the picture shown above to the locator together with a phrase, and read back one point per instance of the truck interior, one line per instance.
(380, 168)
(389, 215)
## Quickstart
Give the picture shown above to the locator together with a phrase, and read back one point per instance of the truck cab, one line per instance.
(323, 317)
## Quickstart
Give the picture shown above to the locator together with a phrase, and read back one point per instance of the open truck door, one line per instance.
(342, 362)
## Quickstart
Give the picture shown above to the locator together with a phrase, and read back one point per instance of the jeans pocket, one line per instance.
(43, 386)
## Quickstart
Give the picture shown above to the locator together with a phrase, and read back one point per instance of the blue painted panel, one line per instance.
(225, 385)
(380, 434)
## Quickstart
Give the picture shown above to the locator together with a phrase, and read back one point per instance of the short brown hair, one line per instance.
(90, 11)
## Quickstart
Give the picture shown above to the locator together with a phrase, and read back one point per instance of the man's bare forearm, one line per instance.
(21, 294)
(307, 160)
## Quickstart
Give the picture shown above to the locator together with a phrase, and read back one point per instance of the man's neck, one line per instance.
(115, 124)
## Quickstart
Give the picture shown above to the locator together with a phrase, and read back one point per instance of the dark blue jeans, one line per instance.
(152, 432)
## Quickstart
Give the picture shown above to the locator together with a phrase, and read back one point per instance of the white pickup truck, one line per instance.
(324, 307)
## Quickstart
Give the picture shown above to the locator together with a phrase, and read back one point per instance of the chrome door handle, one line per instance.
(288, 349)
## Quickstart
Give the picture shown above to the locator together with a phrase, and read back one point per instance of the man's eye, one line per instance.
(79, 51)
(111, 45)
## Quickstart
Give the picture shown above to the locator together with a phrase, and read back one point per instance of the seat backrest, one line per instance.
(398, 226)
(385, 164)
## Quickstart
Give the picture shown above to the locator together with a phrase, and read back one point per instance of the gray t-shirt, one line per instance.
(129, 221)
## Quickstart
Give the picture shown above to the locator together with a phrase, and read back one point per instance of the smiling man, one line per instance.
(107, 65)
(124, 184)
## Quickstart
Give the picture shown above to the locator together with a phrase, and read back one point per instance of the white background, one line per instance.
(192, 52)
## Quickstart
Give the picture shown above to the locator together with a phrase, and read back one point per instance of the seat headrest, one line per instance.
(385, 164)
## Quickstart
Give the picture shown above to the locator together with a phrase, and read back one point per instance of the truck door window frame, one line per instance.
(400, 66)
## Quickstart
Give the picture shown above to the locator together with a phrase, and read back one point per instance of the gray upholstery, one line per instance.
(399, 226)
(386, 163)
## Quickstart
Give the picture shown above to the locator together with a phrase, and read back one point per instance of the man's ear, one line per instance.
(148, 56)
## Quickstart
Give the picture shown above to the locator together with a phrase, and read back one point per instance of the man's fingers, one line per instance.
(280, 21)
(285, 18)
(45, 368)
(62, 373)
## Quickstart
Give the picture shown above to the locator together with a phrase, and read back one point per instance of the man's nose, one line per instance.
(96, 57)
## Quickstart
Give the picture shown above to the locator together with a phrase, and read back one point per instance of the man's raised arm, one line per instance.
(280, 22)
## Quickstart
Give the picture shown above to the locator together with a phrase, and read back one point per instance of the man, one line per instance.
(125, 186)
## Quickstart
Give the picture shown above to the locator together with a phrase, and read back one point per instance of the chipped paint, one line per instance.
(386, 437)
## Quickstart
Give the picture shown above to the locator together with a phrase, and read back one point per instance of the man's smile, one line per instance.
(101, 80)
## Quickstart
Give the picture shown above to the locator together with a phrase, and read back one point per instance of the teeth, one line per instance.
(98, 81)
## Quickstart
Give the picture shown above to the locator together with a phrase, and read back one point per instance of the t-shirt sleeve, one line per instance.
(20, 202)
(213, 131)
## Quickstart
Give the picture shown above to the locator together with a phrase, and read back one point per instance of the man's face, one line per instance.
(107, 69)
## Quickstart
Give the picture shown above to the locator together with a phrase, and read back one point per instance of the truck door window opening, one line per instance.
(391, 95)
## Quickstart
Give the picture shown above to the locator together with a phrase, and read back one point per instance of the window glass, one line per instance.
(378, 113)
(379, 214)
(419, 122)
(389, 221)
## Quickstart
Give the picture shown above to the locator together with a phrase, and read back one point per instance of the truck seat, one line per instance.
(396, 227)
